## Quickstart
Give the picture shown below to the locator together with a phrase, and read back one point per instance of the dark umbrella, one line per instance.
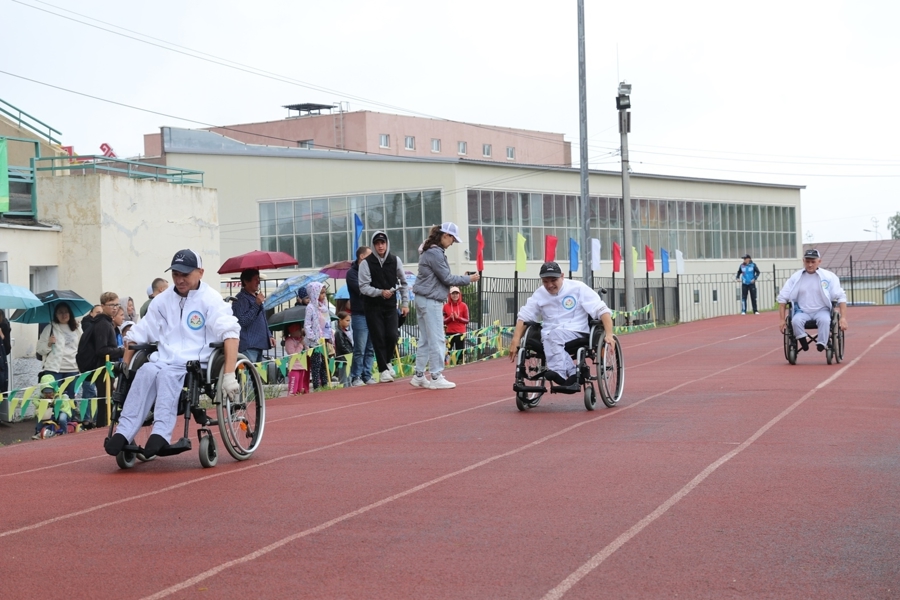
(280, 321)
(257, 259)
(337, 270)
(49, 300)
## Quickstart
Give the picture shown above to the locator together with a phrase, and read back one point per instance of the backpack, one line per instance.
(84, 356)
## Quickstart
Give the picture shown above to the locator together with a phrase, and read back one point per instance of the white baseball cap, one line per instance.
(451, 229)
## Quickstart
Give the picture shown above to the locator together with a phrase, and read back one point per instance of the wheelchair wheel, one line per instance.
(208, 455)
(610, 372)
(126, 459)
(529, 363)
(835, 349)
(590, 396)
(242, 419)
(839, 346)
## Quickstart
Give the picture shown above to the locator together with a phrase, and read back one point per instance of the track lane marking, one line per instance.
(307, 532)
(595, 561)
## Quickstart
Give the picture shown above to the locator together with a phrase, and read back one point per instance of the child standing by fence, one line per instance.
(298, 377)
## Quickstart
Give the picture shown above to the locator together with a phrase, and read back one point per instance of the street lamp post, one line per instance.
(585, 187)
(623, 103)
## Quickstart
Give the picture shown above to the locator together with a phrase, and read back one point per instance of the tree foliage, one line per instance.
(894, 226)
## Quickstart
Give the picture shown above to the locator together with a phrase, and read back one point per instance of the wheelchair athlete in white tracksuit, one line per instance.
(811, 290)
(183, 320)
(562, 306)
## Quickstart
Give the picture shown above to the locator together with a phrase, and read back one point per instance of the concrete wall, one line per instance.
(21, 153)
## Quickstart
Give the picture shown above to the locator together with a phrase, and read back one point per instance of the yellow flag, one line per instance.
(520, 252)
(634, 255)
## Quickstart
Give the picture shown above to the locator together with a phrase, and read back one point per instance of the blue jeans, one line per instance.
(363, 351)
(432, 346)
(88, 391)
(254, 355)
(59, 376)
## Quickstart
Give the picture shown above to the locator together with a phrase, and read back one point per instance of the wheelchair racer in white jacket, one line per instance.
(183, 320)
(563, 307)
(811, 291)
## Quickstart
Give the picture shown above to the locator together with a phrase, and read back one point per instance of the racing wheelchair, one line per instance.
(241, 420)
(595, 360)
(834, 348)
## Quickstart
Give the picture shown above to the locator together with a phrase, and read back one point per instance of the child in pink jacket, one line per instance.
(298, 377)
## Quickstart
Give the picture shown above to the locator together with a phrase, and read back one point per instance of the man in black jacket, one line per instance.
(98, 342)
(382, 285)
(363, 351)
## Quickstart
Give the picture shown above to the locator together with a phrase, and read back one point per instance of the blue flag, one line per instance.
(358, 227)
(573, 255)
(664, 259)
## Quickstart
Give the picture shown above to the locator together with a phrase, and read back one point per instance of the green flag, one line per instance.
(4, 177)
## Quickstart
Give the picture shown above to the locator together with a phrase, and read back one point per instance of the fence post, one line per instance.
(678, 295)
(852, 297)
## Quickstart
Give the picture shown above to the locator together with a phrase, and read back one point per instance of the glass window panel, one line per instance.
(654, 213)
(754, 221)
(637, 240)
(269, 244)
(683, 243)
(340, 246)
(779, 224)
(643, 212)
(689, 217)
(512, 208)
(726, 244)
(770, 212)
(635, 213)
(267, 219)
(321, 249)
(412, 209)
(785, 219)
(431, 207)
(319, 210)
(537, 209)
(302, 217)
(487, 207)
(717, 244)
(792, 224)
(374, 213)
(470, 240)
(573, 211)
(792, 243)
(559, 210)
(605, 245)
(338, 214)
(304, 254)
(562, 245)
(472, 206)
(525, 210)
(286, 244)
(602, 212)
(528, 234)
(393, 211)
(740, 218)
(537, 244)
(615, 208)
(672, 213)
(500, 209)
(707, 244)
(356, 205)
(757, 245)
(547, 201)
(701, 215)
(285, 218)
(716, 223)
(488, 234)
(653, 242)
(501, 243)
(691, 250)
(663, 214)
(732, 217)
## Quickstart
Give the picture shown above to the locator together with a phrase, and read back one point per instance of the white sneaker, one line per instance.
(386, 377)
(371, 381)
(439, 383)
(420, 381)
(391, 369)
(357, 383)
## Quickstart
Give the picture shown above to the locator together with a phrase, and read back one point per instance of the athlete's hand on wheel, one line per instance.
(230, 386)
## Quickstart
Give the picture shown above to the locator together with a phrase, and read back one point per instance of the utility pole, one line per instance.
(585, 187)
(623, 103)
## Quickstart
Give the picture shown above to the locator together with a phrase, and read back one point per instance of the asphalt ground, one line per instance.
(723, 473)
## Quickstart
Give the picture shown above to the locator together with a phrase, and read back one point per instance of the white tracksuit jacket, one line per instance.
(567, 310)
(831, 288)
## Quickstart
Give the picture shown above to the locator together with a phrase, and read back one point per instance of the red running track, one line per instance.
(723, 473)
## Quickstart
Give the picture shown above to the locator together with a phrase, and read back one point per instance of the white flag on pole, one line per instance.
(595, 255)
(679, 262)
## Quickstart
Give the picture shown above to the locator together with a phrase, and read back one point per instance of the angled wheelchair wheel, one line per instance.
(590, 396)
(208, 455)
(530, 364)
(243, 418)
(839, 347)
(126, 459)
(610, 372)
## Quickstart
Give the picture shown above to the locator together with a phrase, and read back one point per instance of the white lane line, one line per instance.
(307, 532)
(596, 560)
(239, 470)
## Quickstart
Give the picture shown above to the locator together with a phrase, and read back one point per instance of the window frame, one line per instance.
(409, 142)
(384, 140)
(462, 148)
(510, 153)
(436, 145)
(486, 150)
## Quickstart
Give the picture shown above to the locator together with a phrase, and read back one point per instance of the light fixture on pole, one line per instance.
(623, 103)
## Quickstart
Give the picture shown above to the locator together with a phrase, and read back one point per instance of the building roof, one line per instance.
(309, 107)
(837, 255)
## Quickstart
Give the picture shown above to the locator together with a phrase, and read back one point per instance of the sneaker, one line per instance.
(357, 383)
(386, 377)
(743, 313)
(755, 312)
(371, 381)
(439, 383)
(391, 369)
(419, 381)
(36, 436)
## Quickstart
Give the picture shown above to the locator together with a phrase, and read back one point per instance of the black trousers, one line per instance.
(383, 331)
(748, 287)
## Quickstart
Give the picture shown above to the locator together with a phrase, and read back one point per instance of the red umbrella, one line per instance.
(337, 270)
(258, 259)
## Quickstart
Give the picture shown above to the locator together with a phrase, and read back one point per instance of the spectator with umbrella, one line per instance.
(248, 308)
(58, 345)
(5, 349)
(11, 296)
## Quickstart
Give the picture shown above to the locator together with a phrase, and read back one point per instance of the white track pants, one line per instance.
(822, 319)
(558, 359)
(154, 382)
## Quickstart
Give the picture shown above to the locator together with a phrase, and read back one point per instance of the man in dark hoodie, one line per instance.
(382, 285)
(363, 351)
(97, 341)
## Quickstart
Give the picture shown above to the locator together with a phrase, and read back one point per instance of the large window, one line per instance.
(707, 230)
(317, 231)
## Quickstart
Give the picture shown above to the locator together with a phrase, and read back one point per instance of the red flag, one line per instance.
(550, 247)
(617, 257)
(650, 265)
(479, 255)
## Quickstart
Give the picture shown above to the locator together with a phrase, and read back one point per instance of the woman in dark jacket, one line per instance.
(5, 348)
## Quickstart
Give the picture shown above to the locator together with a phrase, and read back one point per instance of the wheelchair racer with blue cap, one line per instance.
(812, 293)
(564, 308)
(183, 321)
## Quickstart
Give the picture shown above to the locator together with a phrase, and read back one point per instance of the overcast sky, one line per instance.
(783, 91)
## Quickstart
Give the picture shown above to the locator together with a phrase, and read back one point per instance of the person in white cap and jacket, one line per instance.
(430, 290)
(811, 290)
(183, 321)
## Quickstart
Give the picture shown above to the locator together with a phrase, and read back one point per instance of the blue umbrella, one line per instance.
(288, 289)
(13, 296)
(49, 301)
(342, 294)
